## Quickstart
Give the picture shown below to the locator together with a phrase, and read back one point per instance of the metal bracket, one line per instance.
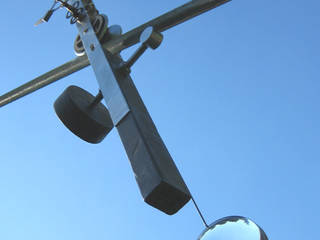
(159, 180)
(114, 45)
(149, 39)
(116, 102)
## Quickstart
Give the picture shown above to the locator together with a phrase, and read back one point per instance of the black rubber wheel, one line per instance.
(90, 123)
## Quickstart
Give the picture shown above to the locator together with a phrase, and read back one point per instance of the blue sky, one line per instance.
(234, 94)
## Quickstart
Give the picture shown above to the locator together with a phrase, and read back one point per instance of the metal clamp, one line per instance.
(149, 39)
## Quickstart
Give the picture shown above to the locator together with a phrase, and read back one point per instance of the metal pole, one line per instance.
(163, 22)
(158, 178)
(160, 24)
(45, 79)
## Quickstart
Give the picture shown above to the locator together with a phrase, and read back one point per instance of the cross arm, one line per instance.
(160, 24)
(45, 79)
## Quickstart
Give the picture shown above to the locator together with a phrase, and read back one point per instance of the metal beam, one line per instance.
(164, 22)
(160, 24)
(158, 178)
(104, 71)
(45, 79)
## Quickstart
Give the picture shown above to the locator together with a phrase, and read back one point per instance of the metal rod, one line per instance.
(96, 100)
(199, 212)
(136, 55)
(163, 22)
(160, 24)
(44, 80)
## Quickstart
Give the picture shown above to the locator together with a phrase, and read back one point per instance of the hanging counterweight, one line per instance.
(79, 112)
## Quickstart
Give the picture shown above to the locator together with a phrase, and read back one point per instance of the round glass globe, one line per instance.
(233, 228)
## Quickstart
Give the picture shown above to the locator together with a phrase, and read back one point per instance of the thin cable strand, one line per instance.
(199, 212)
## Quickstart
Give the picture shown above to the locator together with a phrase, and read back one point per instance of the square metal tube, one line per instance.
(159, 180)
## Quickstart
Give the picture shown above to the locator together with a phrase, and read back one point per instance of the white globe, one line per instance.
(233, 228)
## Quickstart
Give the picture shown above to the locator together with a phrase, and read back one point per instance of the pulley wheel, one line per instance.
(100, 26)
(90, 122)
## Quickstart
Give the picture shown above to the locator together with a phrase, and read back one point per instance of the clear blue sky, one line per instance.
(234, 94)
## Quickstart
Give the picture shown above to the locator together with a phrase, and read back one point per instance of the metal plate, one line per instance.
(113, 96)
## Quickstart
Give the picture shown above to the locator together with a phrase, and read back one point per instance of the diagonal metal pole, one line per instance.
(160, 24)
(164, 22)
(45, 79)
(158, 178)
